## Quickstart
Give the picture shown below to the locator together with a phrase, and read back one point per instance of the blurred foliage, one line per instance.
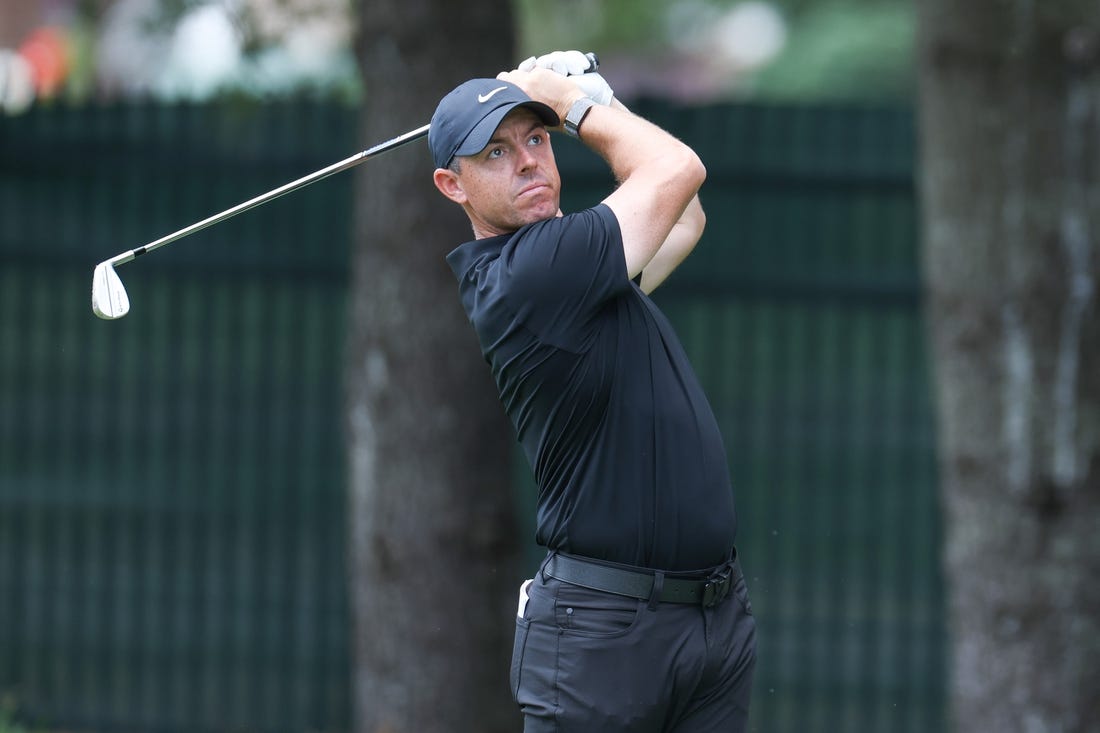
(836, 49)
(605, 25)
(845, 50)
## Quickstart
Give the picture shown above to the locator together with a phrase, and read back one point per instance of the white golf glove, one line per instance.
(575, 65)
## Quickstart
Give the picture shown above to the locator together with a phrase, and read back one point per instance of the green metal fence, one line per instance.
(171, 484)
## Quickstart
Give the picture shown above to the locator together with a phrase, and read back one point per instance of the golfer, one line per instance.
(638, 619)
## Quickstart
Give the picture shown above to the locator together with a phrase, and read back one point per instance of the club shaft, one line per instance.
(252, 203)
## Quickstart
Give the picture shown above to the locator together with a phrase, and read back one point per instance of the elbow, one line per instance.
(681, 174)
(693, 169)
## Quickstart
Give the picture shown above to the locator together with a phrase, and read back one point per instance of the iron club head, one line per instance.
(108, 296)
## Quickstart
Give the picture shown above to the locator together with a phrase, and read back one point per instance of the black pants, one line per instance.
(586, 660)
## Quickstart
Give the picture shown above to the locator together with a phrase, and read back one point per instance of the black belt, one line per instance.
(640, 583)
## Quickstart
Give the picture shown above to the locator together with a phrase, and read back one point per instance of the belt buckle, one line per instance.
(716, 588)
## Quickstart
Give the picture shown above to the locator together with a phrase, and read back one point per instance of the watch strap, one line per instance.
(575, 116)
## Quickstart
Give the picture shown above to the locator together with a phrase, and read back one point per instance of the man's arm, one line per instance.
(677, 246)
(659, 176)
(680, 242)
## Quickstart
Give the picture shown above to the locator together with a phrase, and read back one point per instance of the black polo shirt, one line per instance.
(625, 449)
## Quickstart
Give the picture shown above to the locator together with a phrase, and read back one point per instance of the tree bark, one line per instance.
(1010, 185)
(434, 553)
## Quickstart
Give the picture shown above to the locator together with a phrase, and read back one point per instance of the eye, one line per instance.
(496, 152)
(536, 139)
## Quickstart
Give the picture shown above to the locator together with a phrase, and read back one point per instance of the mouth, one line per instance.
(532, 189)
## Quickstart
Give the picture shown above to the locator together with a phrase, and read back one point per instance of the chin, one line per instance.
(543, 211)
(535, 218)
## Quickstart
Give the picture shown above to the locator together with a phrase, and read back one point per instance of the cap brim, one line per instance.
(483, 131)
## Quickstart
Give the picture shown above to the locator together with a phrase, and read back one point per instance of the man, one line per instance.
(638, 620)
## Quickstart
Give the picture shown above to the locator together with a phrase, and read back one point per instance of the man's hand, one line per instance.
(566, 63)
(579, 68)
(542, 85)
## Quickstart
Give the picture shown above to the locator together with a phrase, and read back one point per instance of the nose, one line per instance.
(527, 159)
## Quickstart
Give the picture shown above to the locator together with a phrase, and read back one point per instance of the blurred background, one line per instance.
(683, 50)
(173, 549)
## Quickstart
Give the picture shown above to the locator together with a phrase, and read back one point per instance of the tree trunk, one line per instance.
(1010, 139)
(434, 554)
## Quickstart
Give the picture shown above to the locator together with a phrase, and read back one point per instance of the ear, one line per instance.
(447, 182)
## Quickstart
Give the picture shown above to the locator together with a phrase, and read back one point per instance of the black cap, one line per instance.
(466, 118)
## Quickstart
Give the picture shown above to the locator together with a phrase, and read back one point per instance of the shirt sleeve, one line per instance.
(561, 272)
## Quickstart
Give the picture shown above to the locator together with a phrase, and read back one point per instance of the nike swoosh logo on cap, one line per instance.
(483, 98)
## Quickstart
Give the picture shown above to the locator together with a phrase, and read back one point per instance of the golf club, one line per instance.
(109, 298)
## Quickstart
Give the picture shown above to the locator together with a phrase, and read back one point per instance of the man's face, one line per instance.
(512, 182)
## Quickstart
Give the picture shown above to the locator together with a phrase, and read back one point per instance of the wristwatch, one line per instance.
(576, 114)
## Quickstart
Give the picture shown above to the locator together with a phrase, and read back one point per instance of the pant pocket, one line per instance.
(518, 647)
(592, 613)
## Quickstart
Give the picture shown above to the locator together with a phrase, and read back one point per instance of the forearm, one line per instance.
(676, 247)
(631, 145)
(680, 242)
(659, 177)
(693, 219)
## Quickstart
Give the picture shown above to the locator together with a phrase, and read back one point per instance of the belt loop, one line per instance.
(658, 586)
